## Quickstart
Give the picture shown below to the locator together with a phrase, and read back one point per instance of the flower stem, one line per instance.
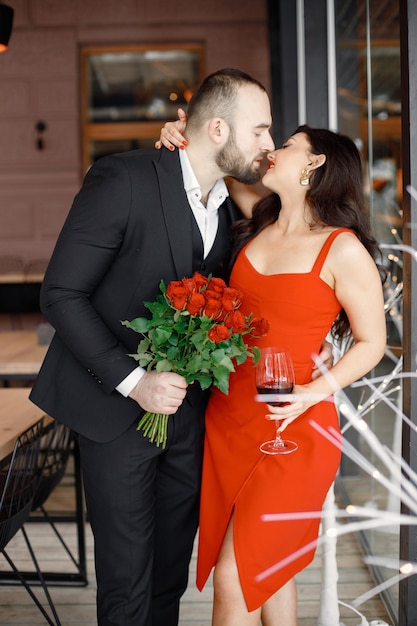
(154, 427)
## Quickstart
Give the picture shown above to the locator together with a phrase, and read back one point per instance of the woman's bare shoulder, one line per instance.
(348, 251)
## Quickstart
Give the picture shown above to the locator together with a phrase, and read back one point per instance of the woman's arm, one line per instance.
(359, 290)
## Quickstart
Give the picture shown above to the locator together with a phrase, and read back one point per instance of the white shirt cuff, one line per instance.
(126, 386)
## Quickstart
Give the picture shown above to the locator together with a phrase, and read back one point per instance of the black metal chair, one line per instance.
(56, 447)
(18, 484)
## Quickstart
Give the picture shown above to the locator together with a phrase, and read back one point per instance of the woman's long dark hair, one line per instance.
(335, 198)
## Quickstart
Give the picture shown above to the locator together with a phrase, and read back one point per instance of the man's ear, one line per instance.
(218, 130)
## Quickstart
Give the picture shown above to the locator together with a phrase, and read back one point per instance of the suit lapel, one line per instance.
(176, 210)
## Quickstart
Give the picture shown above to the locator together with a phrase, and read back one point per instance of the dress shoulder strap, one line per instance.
(325, 249)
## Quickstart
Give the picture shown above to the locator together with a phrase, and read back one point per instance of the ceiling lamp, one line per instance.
(6, 23)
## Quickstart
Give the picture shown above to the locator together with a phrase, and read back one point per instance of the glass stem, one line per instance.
(278, 443)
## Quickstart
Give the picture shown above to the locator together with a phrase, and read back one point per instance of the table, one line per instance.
(17, 413)
(14, 269)
(20, 283)
(21, 355)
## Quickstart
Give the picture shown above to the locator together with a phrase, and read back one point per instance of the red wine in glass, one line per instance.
(275, 391)
(275, 376)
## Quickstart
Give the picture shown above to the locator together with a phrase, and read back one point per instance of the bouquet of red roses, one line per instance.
(196, 330)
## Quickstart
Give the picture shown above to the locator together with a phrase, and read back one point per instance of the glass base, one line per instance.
(272, 447)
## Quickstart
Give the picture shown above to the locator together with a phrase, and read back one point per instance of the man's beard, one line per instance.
(232, 162)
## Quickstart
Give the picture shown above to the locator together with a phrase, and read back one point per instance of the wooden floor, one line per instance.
(76, 605)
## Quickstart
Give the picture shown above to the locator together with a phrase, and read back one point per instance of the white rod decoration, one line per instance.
(369, 99)
(301, 64)
(331, 67)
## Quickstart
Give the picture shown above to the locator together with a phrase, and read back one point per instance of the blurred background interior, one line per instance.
(83, 79)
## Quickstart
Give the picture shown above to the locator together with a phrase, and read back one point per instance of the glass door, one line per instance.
(369, 110)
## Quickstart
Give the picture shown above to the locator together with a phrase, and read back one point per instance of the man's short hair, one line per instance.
(216, 97)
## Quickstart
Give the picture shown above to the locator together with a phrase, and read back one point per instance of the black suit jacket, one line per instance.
(129, 227)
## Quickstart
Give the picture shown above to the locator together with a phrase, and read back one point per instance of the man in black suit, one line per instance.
(140, 217)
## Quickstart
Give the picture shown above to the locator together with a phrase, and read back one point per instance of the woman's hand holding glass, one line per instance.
(295, 406)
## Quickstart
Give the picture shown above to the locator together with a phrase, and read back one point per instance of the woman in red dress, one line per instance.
(306, 263)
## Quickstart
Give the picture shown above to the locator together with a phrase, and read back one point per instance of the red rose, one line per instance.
(218, 333)
(236, 322)
(195, 304)
(173, 285)
(227, 305)
(177, 294)
(234, 295)
(189, 285)
(200, 280)
(210, 294)
(217, 284)
(260, 327)
(226, 308)
(212, 308)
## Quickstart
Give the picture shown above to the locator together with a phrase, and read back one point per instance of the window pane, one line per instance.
(126, 85)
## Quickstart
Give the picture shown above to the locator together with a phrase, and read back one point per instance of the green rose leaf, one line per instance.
(194, 364)
(172, 353)
(139, 325)
(205, 380)
(221, 378)
(160, 335)
(163, 366)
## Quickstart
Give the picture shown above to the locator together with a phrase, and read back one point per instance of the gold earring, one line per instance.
(304, 179)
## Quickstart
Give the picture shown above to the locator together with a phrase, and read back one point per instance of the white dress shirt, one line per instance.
(207, 218)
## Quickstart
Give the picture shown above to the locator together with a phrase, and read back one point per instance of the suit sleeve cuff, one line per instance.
(127, 384)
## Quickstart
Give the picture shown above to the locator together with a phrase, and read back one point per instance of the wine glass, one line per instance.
(275, 376)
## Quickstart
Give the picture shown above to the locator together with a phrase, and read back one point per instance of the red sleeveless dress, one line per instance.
(237, 476)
